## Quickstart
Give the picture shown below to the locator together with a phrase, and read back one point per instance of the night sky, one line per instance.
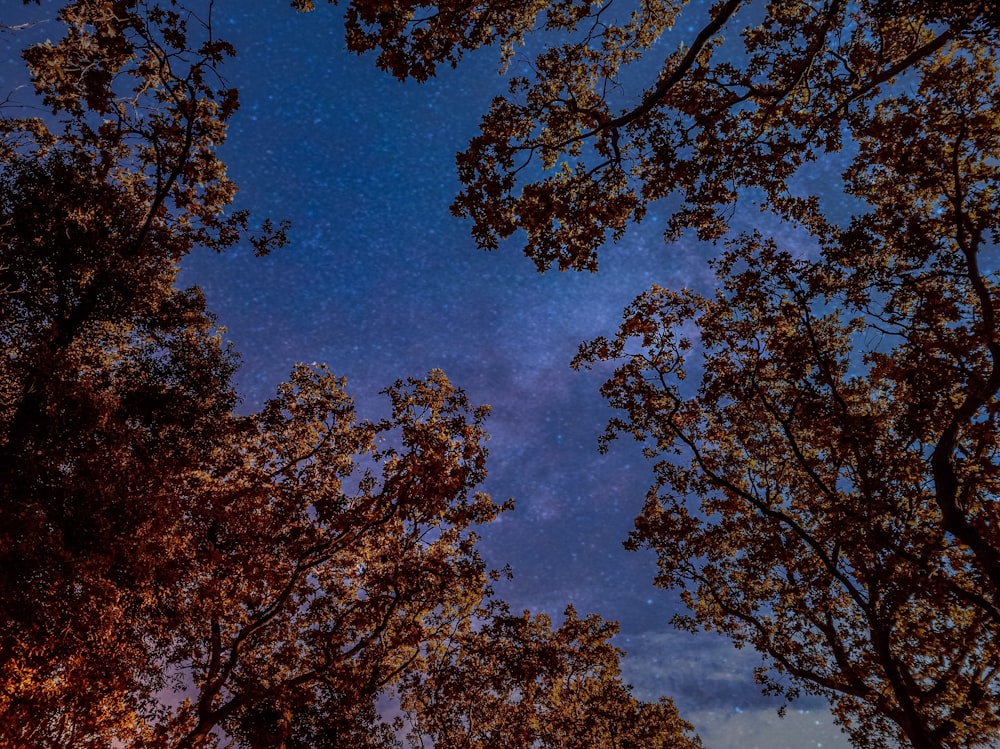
(380, 282)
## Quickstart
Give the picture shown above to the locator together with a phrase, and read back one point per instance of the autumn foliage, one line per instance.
(822, 425)
(826, 487)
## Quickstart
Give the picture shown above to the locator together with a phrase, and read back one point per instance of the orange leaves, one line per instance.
(802, 496)
(824, 426)
(136, 86)
(517, 681)
(332, 559)
(413, 37)
(568, 215)
(704, 130)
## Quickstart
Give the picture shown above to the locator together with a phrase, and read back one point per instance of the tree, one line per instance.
(173, 574)
(114, 383)
(842, 441)
(518, 683)
(588, 139)
(319, 564)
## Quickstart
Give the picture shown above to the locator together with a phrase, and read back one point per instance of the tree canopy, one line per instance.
(823, 426)
(842, 439)
(174, 573)
(629, 104)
